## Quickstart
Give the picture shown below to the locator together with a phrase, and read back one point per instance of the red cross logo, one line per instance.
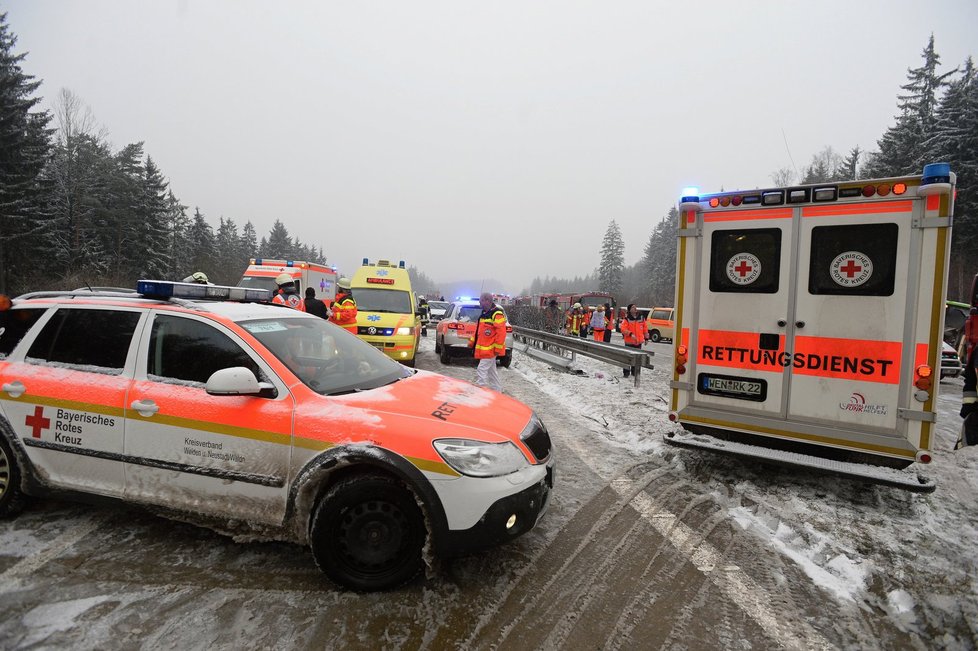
(38, 422)
(850, 268)
(743, 268)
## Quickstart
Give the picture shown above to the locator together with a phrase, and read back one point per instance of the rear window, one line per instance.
(83, 337)
(746, 261)
(469, 313)
(14, 324)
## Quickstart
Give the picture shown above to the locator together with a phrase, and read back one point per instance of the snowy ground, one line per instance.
(906, 557)
(644, 546)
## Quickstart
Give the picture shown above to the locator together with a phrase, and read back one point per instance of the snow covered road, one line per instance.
(644, 546)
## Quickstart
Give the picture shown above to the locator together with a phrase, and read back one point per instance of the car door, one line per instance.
(213, 454)
(64, 395)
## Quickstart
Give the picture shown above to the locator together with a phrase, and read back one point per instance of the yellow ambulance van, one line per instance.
(386, 314)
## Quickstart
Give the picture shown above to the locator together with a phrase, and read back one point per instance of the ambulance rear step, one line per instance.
(876, 474)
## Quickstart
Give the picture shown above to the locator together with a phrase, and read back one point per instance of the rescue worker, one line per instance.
(969, 403)
(633, 330)
(609, 325)
(574, 318)
(314, 305)
(287, 295)
(489, 342)
(598, 324)
(423, 313)
(551, 318)
(344, 307)
(198, 277)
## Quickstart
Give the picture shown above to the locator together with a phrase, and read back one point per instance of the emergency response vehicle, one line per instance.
(387, 315)
(262, 272)
(177, 397)
(809, 323)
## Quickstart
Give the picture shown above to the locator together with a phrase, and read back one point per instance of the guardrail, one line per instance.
(633, 358)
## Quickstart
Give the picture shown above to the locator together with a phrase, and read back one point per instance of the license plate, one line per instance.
(728, 386)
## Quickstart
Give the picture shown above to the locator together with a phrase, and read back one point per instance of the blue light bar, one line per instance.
(936, 173)
(692, 193)
(165, 289)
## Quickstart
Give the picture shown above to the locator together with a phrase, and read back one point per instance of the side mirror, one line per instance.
(238, 381)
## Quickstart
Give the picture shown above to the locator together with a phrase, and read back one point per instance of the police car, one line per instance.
(192, 398)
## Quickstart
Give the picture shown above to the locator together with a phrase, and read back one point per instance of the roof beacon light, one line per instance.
(824, 194)
(690, 200)
(164, 289)
(772, 198)
(936, 179)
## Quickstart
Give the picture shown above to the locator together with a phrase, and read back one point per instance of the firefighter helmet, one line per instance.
(343, 283)
(283, 279)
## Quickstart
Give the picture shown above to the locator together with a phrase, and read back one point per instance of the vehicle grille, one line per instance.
(538, 440)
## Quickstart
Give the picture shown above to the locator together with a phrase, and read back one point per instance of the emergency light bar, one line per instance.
(262, 262)
(164, 289)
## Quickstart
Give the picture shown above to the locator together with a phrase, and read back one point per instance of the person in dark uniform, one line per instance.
(969, 403)
(314, 305)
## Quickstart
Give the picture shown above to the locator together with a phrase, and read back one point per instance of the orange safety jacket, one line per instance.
(633, 330)
(289, 299)
(345, 312)
(490, 334)
(574, 322)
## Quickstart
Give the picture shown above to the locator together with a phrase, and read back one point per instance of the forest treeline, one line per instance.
(936, 121)
(75, 212)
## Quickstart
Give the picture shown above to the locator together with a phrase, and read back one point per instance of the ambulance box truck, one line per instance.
(387, 315)
(261, 274)
(809, 323)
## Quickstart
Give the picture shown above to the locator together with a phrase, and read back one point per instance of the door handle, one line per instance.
(799, 324)
(146, 408)
(14, 389)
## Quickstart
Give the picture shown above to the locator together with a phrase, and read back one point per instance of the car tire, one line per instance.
(410, 363)
(437, 347)
(444, 356)
(506, 360)
(12, 499)
(655, 336)
(367, 534)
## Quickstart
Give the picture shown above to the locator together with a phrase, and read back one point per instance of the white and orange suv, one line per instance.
(176, 396)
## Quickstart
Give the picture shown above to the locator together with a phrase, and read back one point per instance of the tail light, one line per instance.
(454, 326)
(681, 359)
(923, 456)
(925, 379)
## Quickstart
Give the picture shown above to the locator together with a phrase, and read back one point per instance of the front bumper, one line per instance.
(522, 510)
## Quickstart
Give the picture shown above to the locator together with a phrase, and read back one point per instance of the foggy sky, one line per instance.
(479, 139)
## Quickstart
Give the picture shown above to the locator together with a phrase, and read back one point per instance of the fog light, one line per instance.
(511, 522)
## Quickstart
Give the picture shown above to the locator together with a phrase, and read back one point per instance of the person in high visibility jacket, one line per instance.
(598, 324)
(489, 342)
(287, 294)
(344, 307)
(575, 320)
(633, 330)
(609, 325)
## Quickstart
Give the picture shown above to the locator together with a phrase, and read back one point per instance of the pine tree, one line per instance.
(24, 147)
(612, 260)
(901, 147)
(200, 236)
(178, 245)
(848, 168)
(954, 140)
(279, 244)
(659, 260)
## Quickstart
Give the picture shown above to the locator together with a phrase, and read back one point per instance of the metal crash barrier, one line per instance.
(551, 348)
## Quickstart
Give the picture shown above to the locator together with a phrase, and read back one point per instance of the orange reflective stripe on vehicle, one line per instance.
(857, 209)
(739, 215)
(847, 359)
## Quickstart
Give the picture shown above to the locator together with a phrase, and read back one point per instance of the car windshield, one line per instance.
(394, 301)
(327, 358)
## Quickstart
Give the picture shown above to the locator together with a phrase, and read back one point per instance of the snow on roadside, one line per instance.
(906, 555)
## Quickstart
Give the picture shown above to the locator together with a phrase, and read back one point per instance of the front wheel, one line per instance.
(367, 533)
(655, 336)
(11, 497)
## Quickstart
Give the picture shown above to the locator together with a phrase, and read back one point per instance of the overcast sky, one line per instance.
(491, 139)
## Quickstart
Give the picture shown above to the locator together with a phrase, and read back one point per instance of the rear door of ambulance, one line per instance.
(804, 319)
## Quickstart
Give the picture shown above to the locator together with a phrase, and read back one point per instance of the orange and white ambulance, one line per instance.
(809, 323)
(261, 274)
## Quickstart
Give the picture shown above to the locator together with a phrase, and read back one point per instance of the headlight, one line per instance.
(478, 459)
(404, 331)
